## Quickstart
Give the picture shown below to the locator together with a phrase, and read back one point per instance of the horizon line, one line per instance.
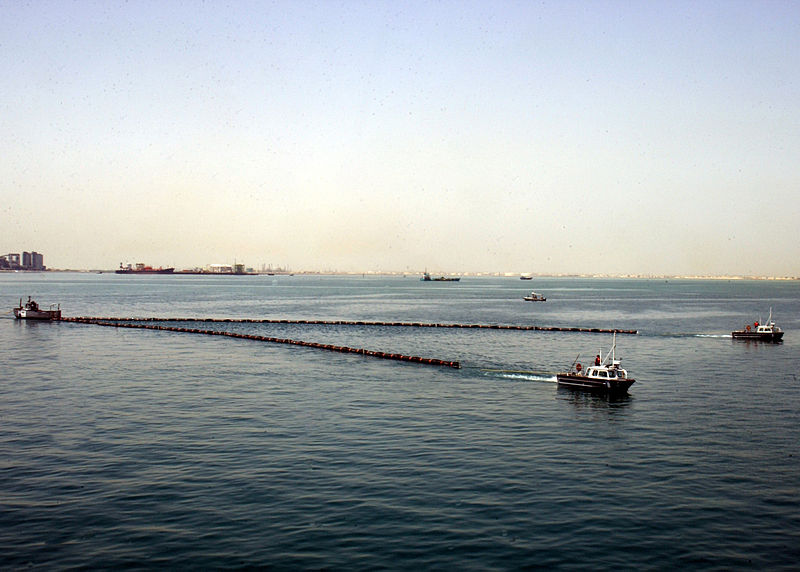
(497, 274)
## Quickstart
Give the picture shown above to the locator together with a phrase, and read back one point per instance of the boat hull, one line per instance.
(28, 314)
(153, 271)
(773, 337)
(616, 385)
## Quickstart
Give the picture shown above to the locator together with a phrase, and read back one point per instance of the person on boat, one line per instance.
(597, 360)
(579, 369)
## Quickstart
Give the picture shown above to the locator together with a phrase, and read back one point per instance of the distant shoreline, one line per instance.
(415, 274)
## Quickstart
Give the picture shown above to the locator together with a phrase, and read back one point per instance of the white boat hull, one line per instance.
(28, 314)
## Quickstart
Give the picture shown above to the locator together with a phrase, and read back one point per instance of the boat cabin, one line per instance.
(766, 329)
(612, 371)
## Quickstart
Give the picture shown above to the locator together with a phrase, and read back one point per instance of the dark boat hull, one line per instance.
(773, 337)
(154, 271)
(617, 385)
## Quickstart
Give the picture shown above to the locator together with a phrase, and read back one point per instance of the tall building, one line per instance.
(28, 261)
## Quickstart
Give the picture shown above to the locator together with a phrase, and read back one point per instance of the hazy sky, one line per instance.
(458, 136)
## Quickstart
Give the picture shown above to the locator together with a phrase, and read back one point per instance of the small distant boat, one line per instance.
(142, 268)
(426, 277)
(605, 375)
(526, 277)
(32, 311)
(768, 332)
(534, 297)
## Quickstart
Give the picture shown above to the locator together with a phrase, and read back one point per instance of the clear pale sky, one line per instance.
(457, 136)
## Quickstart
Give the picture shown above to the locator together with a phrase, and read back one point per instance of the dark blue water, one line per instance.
(137, 448)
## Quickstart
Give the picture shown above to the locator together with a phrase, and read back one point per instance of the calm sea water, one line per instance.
(132, 448)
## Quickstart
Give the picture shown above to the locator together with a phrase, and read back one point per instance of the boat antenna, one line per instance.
(574, 362)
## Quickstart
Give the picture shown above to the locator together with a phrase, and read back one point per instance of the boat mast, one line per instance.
(614, 346)
(611, 352)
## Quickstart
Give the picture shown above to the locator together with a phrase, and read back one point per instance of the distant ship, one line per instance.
(141, 268)
(426, 277)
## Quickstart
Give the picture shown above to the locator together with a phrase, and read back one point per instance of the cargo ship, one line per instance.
(142, 268)
(426, 277)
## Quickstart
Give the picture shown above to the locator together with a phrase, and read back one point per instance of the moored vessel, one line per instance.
(142, 268)
(32, 311)
(426, 277)
(604, 375)
(768, 332)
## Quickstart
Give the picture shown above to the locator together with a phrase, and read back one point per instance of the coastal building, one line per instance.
(28, 261)
(32, 261)
(12, 261)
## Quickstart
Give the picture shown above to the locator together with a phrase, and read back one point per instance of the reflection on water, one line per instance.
(582, 399)
(123, 446)
(756, 343)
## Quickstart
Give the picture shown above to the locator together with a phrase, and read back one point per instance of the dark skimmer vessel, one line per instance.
(768, 332)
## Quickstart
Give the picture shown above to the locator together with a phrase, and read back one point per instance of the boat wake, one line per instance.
(520, 375)
(726, 336)
(530, 377)
(691, 335)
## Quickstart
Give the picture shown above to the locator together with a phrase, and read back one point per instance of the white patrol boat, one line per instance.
(768, 332)
(534, 297)
(604, 375)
